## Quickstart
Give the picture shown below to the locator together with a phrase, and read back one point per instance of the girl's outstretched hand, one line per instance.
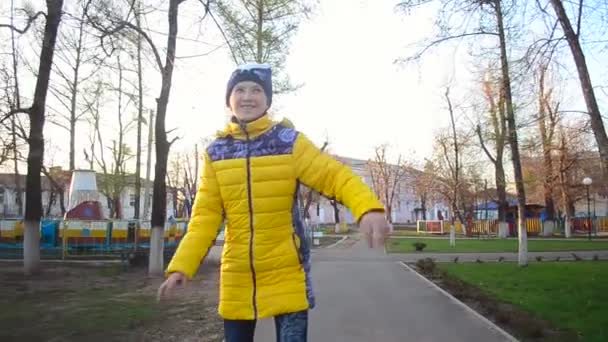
(174, 281)
(374, 227)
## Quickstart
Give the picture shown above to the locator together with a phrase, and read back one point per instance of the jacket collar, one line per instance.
(254, 128)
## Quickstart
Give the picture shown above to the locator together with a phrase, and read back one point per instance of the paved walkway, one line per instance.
(364, 295)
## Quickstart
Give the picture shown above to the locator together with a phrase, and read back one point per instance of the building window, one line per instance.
(1, 196)
(132, 200)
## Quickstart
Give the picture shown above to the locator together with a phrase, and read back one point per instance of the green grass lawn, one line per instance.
(404, 232)
(571, 295)
(491, 245)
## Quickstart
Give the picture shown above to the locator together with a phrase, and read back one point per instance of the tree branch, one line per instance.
(434, 43)
(217, 24)
(483, 145)
(15, 111)
(121, 26)
(173, 141)
(580, 16)
(30, 20)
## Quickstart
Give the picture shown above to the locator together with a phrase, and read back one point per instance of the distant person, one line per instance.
(251, 174)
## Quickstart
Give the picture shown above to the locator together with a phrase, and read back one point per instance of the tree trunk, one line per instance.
(117, 207)
(156, 250)
(512, 130)
(307, 203)
(109, 204)
(19, 197)
(260, 24)
(501, 192)
(159, 201)
(456, 191)
(73, 105)
(595, 116)
(497, 116)
(545, 137)
(423, 207)
(50, 203)
(140, 117)
(56, 189)
(62, 201)
(148, 166)
(334, 204)
(174, 201)
(568, 202)
(17, 104)
(501, 182)
(33, 202)
(74, 90)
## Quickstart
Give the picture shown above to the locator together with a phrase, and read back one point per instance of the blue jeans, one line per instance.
(291, 327)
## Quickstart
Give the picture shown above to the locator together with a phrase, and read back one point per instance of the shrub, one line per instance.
(419, 246)
(426, 265)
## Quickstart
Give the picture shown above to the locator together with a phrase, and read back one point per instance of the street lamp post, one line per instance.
(587, 181)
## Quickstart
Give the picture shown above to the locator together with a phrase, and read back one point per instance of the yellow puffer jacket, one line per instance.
(250, 178)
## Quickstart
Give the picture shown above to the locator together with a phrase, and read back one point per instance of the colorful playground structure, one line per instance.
(83, 231)
(68, 238)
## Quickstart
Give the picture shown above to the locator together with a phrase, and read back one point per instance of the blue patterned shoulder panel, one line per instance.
(277, 140)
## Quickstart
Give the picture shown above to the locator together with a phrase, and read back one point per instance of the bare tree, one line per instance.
(115, 175)
(547, 121)
(175, 179)
(492, 90)
(491, 23)
(386, 178)
(512, 136)
(117, 25)
(573, 39)
(140, 109)
(36, 113)
(425, 185)
(260, 31)
(15, 103)
(309, 195)
(574, 161)
(76, 62)
(451, 152)
(162, 145)
(148, 165)
(8, 144)
(58, 186)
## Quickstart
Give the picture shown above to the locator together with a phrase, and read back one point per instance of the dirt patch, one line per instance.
(100, 302)
(518, 322)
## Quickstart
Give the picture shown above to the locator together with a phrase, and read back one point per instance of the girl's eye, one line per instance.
(257, 90)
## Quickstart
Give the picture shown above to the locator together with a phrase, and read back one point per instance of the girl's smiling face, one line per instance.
(248, 101)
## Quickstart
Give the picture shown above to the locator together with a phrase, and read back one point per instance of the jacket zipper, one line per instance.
(250, 203)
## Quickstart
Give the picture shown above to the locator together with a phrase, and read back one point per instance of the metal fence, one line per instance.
(534, 226)
(82, 238)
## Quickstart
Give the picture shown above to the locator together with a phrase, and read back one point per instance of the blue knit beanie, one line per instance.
(254, 72)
